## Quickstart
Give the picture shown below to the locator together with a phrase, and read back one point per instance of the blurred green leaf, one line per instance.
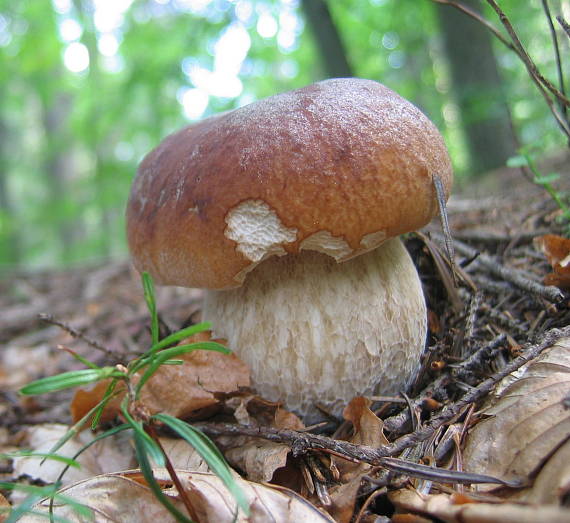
(67, 380)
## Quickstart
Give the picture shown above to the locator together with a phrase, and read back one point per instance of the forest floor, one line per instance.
(492, 398)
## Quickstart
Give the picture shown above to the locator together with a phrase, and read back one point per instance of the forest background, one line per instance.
(88, 87)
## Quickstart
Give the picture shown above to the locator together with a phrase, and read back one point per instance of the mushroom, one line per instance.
(288, 212)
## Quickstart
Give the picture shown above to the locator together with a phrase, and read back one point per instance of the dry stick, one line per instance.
(301, 442)
(396, 423)
(515, 328)
(48, 318)
(475, 394)
(550, 293)
(476, 360)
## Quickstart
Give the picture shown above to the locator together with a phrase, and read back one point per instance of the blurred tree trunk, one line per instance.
(477, 88)
(9, 240)
(328, 39)
(93, 134)
(59, 168)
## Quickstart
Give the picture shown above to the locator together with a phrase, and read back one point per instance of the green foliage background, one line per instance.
(70, 142)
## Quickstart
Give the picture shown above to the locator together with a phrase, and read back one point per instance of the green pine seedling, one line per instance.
(161, 352)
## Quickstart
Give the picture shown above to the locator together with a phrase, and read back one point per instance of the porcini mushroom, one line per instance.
(288, 211)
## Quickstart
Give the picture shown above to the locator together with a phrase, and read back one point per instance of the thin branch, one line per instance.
(554, 37)
(479, 18)
(396, 423)
(543, 85)
(550, 293)
(48, 318)
(564, 24)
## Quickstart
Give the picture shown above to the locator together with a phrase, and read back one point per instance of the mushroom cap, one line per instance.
(337, 167)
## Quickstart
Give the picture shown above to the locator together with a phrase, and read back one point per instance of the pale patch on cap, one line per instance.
(326, 243)
(257, 230)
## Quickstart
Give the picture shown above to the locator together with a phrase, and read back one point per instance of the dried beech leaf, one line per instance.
(445, 508)
(368, 430)
(528, 424)
(84, 400)
(343, 499)
(182, 455)
(124, 497)
(259, 459)
(4, 504)
(178, 390)
(557, 251)
(108, 455)
(287, 420)
(553, 481)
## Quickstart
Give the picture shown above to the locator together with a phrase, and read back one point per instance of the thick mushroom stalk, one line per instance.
(316, 331)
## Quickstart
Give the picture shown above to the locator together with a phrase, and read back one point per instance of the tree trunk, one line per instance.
(327, 38)
(59, 168)
(477, 88)
(9, 240)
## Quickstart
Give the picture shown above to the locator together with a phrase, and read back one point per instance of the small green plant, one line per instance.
(142, 425)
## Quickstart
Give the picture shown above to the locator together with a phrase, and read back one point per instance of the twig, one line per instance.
(550, 293)
(396, 423)
(477, 359)
(477, 393)
(543, 84)
(301, 443)
(564, 24)
(482, 20)
(48, 318)
(516, 328)
(554, 37)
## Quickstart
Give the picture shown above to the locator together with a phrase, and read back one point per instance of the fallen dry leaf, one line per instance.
(260, 459)
(557, 251)
(182, 455)
(178, 390)
(343, 500)
(368, 430)
(527, 428)
(84, 400)
(125, 497)
(445, 508)
(108, 455)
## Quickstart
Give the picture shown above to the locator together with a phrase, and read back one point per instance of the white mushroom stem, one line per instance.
(316, 331)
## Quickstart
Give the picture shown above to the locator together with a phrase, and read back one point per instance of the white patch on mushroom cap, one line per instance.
(257, 230)
(372, 240)
(326, 243)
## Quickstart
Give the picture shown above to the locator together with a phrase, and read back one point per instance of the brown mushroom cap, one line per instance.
(338, 167)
